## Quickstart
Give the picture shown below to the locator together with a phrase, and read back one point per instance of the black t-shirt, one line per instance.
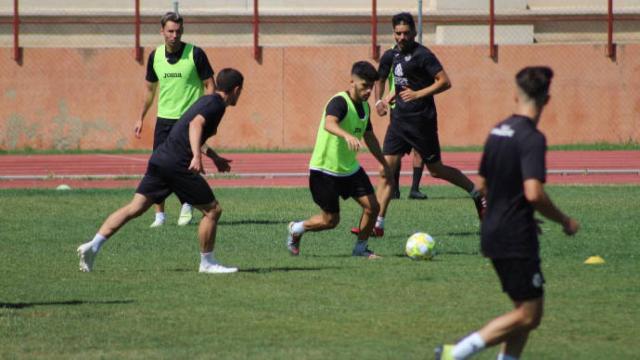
(514, 152)
(199, 58)
(175, 152)
(415, 68)
(338, 107)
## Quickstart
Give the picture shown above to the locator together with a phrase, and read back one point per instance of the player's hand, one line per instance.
(390, 99)
(381, 107)
(196, 166)
(353, 143)
(222, 164)
(570, 226)
(138, 129)
(408, 95)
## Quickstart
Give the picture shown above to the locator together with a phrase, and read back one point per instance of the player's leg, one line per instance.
(396, 190)
(418, 166)
(325, 194)
(370, 210)
(88, 251)
(385, 186)
(160, 134)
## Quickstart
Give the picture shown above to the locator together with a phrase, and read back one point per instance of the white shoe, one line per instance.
(216, 269)
(87, 257)
(186, 215)
(157, 223)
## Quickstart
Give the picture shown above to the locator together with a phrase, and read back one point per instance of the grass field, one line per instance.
(146, 300)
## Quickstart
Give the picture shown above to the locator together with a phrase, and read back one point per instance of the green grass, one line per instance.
(146, 300)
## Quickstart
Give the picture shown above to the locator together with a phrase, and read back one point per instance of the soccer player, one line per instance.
(512, 174)
(175, 167)
(418, 76)
(335, 171)
(183, 73)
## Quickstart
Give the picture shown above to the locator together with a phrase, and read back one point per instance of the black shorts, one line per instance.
(159, 182)
(406, 132)
(162, 130)
(521, 278)
(327, 189)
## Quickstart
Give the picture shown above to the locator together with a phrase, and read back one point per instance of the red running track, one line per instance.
(289, 169)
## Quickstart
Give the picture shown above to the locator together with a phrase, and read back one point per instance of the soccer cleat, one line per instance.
(186, 216)
(444, 352)
(216, 269)
(417, 195)
(481, 206)
(376, 232)
(157, 223)
(87, 257)
(370, 255)
(293, 241)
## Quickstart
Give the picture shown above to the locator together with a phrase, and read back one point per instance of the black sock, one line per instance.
(417, 175)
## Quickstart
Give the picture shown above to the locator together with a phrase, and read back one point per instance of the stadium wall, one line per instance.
(90, 98)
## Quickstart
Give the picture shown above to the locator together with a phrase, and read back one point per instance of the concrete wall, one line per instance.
(90, 98)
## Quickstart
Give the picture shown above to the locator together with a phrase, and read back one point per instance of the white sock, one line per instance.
(503, 356)
(160, 216)
(97, 242)
(298, 227)
(380, 222)
(207, 259)
(186, 207)
(468, 346)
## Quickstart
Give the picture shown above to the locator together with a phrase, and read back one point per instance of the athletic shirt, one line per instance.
(331, 154)
(176, 152)
(179, 81)
(514, 152)
(415, 68)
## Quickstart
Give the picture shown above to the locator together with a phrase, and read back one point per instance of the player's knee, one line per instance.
(529, 320)
(331, 220)
(214, 212)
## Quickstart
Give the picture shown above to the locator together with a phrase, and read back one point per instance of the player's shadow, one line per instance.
(251, 222)
(267, 270)
(23, 305)
(464, 233)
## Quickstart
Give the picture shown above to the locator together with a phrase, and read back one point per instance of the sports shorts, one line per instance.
(521, 278)
(406, 132)
(159, 182)
(327, 189)
(162, 130)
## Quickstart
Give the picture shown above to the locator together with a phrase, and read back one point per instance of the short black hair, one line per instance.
(403, 17)
(171, 16)
(535, 81)
(365, 71)
(228, 79)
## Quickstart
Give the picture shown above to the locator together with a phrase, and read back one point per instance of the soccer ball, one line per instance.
(420, 246)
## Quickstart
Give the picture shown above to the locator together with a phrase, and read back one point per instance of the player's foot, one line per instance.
(216, 269)
(293, 241)
(87, 257)
(376, 232)
(157, 223)
(186, 215)
(481, 206)
(444, 352)
(417, 195)
(370, 255)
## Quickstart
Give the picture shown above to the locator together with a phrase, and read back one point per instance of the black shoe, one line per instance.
(417, 195)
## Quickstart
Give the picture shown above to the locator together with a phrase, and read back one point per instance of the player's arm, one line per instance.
(374, 147)
(196, 127)
(332, 125)
(222, 164)
(440, 84)
(150, 94)
(535, 194)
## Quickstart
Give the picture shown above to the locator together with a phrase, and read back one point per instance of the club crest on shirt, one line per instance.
(407, 58)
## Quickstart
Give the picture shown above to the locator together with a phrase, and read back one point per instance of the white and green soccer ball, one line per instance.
(420, 246)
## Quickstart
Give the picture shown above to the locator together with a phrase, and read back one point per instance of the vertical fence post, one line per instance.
(375, 51)
(16, 32)
(492, 25)
(419, 21)
(611, 47)
(138, 49)
(256, 30)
